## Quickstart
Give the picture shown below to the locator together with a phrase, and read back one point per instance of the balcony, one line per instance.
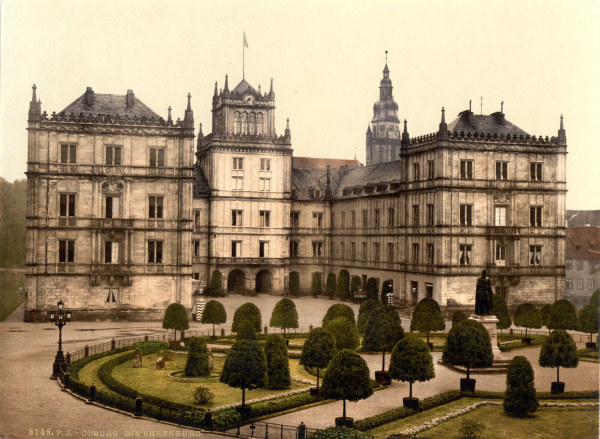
(502, 231)
(251, 261)
(67, 222)
(112, 223)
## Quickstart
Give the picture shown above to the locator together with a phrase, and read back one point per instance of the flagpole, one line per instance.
(243, 59)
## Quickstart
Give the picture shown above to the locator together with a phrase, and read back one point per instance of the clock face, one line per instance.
(249, 99)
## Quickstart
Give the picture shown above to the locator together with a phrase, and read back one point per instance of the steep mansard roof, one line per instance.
(110, 104)
(304, 180)
(495, 123)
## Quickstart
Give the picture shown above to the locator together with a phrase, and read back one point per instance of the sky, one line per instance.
(326, 60)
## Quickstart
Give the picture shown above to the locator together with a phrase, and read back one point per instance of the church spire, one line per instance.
(405, 136)
(271, 92)
(226, 88)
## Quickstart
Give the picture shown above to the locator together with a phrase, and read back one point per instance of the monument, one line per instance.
(483, 307)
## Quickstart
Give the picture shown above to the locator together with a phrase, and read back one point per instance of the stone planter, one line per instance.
(557, 388)
(526, 340)
(383, 378)
(314, 391)
(344, 422)
(591, 345)
(467, 385)
(411, 403)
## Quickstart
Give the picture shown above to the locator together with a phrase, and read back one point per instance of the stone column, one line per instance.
(489, 323)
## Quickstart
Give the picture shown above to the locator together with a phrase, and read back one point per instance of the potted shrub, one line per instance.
(558, 350)
(317, 351)
(588, 322)
(528, 316)
(427, 317)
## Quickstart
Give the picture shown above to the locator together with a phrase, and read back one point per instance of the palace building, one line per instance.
(128, 211)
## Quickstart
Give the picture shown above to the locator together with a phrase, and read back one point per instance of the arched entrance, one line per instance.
(236, 282)
(264, 281)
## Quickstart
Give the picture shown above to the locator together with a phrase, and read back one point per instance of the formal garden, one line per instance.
(225, 382)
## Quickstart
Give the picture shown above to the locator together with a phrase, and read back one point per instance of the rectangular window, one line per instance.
(317, 220)
(265, 218)
(501, 170)
(415, 253)
(415, 172)
(66, 250)
(295, 219)
(157, 157)
(465, 252)
(236, 184)
(430, 170)
(197, 219)
(155, 252)
(580, 265)
(111, 295)
(580, 284)
(466, 214)
(591, 284)
(294, 249)
(111, 252)
(343, 219)
(264, 184)
(569, 285)
(376, 251)
(569, 264)
(236, 249)
(67, 205)
(68, 153)
(500, 216)
(353, 250)
(535, 255)
(430, 217)
(364, 251)
(111, 207)
(535, 173)
(466, 169)
(390, 251)
(265, 164)
(317, 249)
(364, 218)
(390, 217)
(155, 207)
(376, 218)
(113, 155)
(415, 215)
(535, 216)
(353, 219)
(429, 249)
(263, 249)
(500, 255)
(196, 248)
(238, 163)
(236, 218)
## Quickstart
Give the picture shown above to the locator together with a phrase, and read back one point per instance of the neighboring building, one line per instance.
(424, 219)
(583, 218)
(582, 264)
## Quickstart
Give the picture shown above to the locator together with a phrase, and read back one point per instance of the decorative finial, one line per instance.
(33, 98)
(189, 107)
(200, 130)
(216, 90)
(169, 117)
(481, 106)
(502, 107)
(226, 88)
(470, 104)
(561, 122)
(271, 92)
(443, 115)
(287, 127)
(386, 52)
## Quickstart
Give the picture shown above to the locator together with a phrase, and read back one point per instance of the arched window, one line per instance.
(237, 124)
(244, 123)
(252, 124)
(259, 124)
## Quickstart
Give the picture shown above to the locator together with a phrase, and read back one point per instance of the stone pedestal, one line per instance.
(489, 323)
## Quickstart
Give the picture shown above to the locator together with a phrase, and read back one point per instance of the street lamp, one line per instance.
(60, 317)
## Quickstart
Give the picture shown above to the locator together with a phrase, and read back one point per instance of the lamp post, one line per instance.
(60, 317)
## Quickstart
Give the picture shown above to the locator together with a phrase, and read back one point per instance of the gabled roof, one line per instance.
(244, 87)
(583, 243)
(495, 123)
(110, 104)
(318, 163)
(580, 218)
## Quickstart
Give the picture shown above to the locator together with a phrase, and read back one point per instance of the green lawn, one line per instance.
(588, 355)
(88, 374)
(545, 423)
(10, 299)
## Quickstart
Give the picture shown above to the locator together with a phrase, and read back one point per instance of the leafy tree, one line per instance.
(468, 344)
(203, 395)
(278, 367)
(382, 331)
(344, 332)
(175, 318)
(372, 293)
(330, 285)
(427, 317)
(343, 285)
(588, 319)
(284, 315)
(528, 316)
(594, 298)
(347, 378)
(545, 314)
(520, 398)
(245, 331)
(248, 311)
(355, 285)
(338, 310)
(318, 350)
(563, 315)
(294, 283)
(459, 316)
(559, 350)
(500, 310)
(13, 202)
(197, 360)
(216, 283)
(245, 367)
(364, 312)
(316, 284)
(214, 312)
(411, 361)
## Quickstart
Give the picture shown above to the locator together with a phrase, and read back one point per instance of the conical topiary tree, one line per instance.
(528, 316)
(294, 283)
(558, 350)
(316, 284)
(245, 331)
(372, 289)
(520, 398)
(197, 360)
(245, 367)
(588, 319)
(411, 361)
(344, 332)
(500, 310)
(330, 289)
(175, 318)
(459, 316)
(247, 311)
(382, 331)
(545, 314)
(563, 315)
(318, 350)
(214, 312)
(343, 285)
(216, 283)
(594, 300)
(278, 367)
(364, 312)
(355, 285)
(468, 344)
(427, 317)
(284, 315)
(338, 310)
(347, 378)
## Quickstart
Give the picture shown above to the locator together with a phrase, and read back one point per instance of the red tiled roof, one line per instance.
(583, 243)
(317, 163)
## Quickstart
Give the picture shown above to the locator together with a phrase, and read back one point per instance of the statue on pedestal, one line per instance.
(483, 295)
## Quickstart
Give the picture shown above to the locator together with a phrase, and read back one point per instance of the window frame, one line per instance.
(155, 251)
(66, 251)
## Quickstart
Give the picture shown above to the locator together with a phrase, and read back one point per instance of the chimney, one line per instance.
(89, 96)
(130, 99)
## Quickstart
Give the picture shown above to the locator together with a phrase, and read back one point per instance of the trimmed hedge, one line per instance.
(75, 367)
